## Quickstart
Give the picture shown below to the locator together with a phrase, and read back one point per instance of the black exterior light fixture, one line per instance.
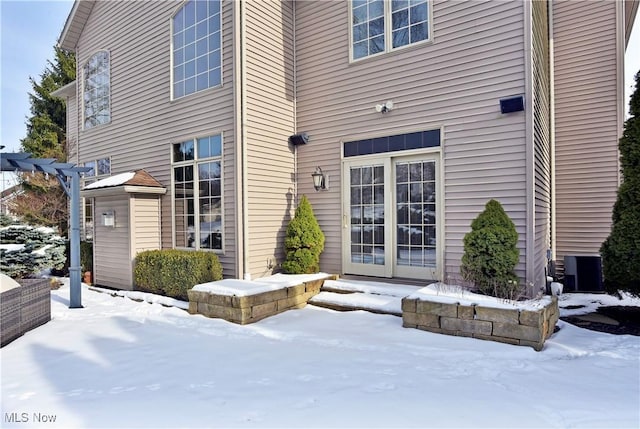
(299, 139)
(512, 104)
(320, 181)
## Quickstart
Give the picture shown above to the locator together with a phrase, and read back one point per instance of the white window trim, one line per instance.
(82, 103)
(171, 94)
(388, 39)
(194, 162)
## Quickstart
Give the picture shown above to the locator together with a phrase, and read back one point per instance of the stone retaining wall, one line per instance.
(251, 308)
(24, 308)
(511, 326)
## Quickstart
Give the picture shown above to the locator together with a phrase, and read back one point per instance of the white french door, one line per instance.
(391, 217)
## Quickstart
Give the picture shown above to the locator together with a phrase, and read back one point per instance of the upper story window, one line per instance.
(384, 25)
(99, 167)
(96, 90)
(196, 47)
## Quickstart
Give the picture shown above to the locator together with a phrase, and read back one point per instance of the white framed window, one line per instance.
(196, 52)
(379, 26)
(99, 167)
(96, 98)
(197, 196)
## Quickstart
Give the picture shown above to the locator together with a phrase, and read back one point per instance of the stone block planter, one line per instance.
(527, 323)
(243, 301)
(24, 307)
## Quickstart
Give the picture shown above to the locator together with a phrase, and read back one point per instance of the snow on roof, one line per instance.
(117, 180)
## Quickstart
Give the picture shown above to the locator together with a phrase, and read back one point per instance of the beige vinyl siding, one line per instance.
(541, 138)
(72, 129)
(269, 89)
(453, 83)
(586, 127)
(144, 120)
(112, 257)
(145, 228)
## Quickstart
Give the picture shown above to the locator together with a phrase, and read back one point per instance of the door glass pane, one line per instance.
(416, 229)
(367, 214)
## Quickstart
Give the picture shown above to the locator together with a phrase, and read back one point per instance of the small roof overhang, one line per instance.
(75, 24)
(630, 11)
(67, 91)
(132, 182)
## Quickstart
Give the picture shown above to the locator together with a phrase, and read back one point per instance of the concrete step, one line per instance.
(353, 301)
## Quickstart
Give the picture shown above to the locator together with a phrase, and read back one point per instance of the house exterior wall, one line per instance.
(113, 265)
(72, 128)
(269, 100)
(145, 225)
(587, 58)
(144, 119)
(453, 83)
(541, 138)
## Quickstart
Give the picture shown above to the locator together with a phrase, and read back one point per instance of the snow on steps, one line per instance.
(374, 297)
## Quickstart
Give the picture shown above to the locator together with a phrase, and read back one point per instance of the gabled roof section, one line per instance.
(75, 24)
(630, 10)
(138, 181)
(69, 90)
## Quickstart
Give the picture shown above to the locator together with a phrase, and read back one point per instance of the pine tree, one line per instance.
(304, 241)
(621, 250)
(43, 201)
(490, 253)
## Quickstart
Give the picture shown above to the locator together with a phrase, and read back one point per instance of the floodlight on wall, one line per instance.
(320, 180)
(109, 219)
(385, 107)
(512, 104)
(298, 139)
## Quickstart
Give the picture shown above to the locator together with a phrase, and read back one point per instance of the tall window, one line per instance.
(99, 167)
(196, 52)
(384, 25)
(96, 88)
(197, 179)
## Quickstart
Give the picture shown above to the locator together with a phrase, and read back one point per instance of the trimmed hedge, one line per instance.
(173, 272)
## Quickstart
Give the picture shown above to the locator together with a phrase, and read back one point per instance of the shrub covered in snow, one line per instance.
(26, 250)
(490, 253)
(173, 272)
(304, 241)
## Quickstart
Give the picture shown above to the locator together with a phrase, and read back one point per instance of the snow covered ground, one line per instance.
(120, 363)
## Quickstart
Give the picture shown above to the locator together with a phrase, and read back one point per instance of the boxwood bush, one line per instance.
(173, 272)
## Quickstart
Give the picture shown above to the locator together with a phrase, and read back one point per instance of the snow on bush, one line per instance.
(26, 250)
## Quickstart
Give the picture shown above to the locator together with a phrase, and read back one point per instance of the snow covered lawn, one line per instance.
(121, 363)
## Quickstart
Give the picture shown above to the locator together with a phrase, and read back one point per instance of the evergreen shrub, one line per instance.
(36, 249)
(304, 241)
(86, 256)
(173, 272)
(621, 250)
(490, 253)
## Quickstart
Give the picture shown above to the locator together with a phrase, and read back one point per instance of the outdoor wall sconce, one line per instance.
(320, 180)
(384, 108)
(109, 219)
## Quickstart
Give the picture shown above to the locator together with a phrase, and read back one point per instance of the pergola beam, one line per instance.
(69, 177)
